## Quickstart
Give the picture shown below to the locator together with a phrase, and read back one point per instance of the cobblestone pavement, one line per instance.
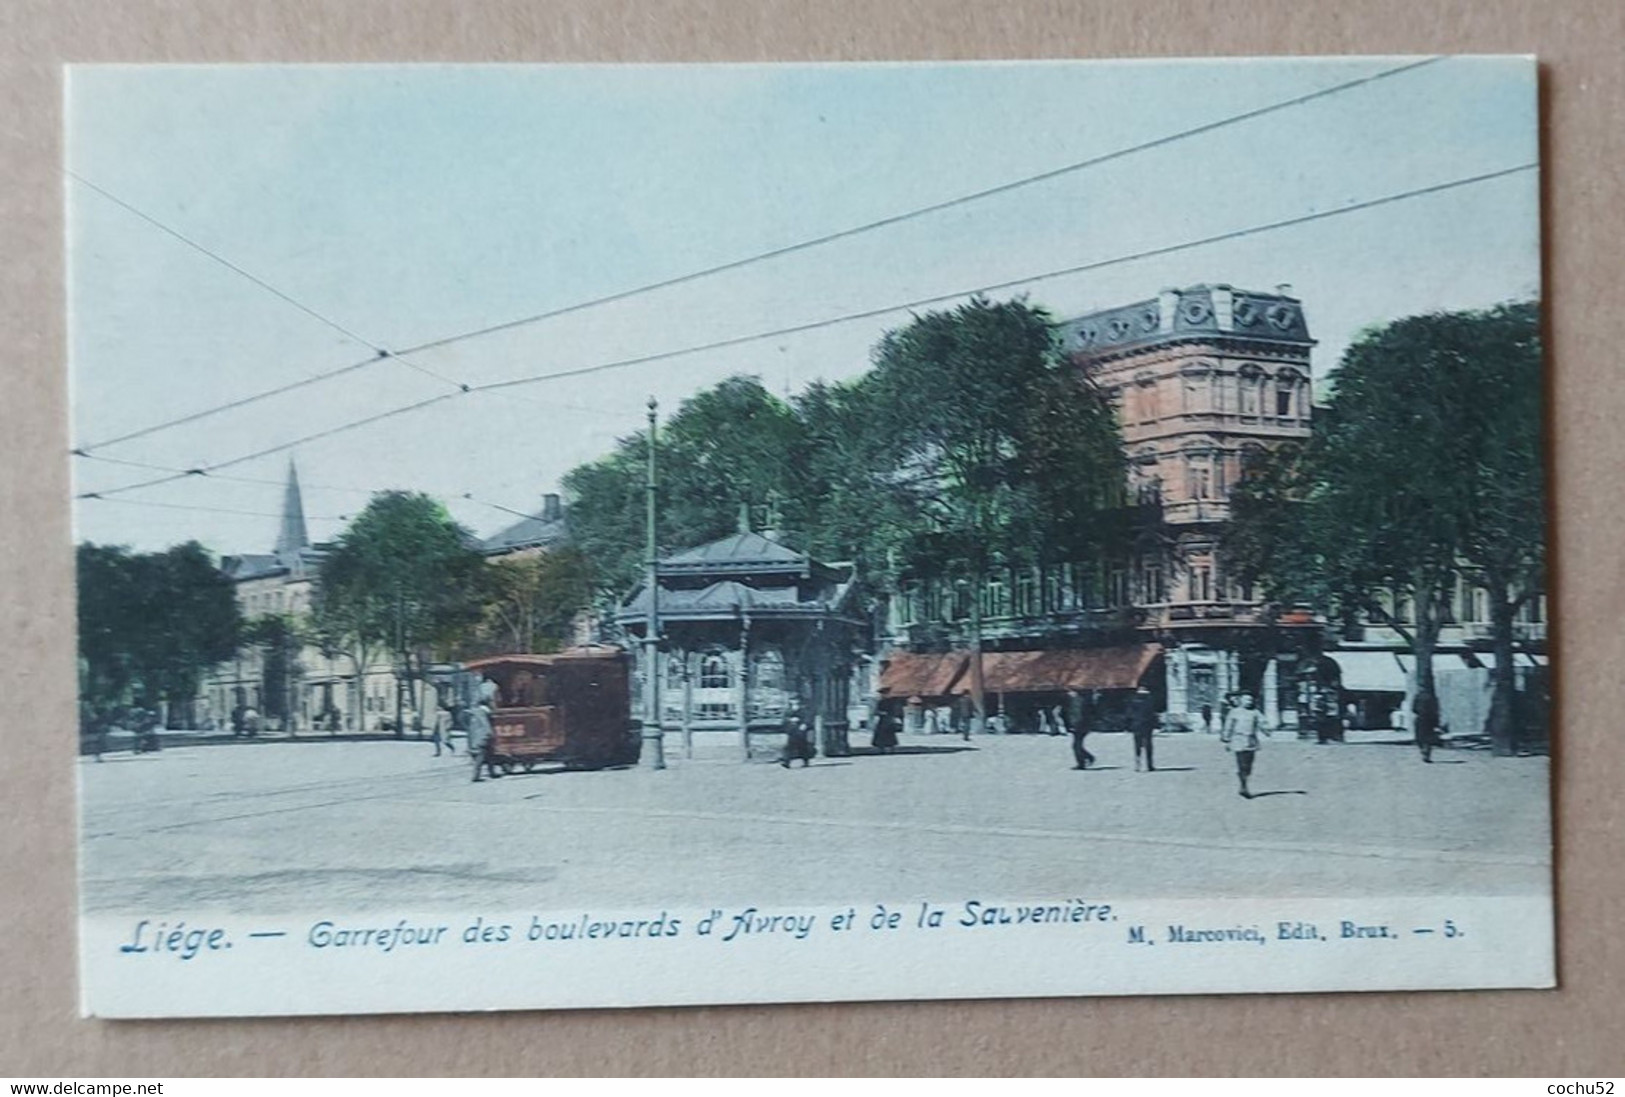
(297, 826)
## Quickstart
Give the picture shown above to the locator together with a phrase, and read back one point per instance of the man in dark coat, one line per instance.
(1143, 723)
(885, 737)
(797, 739)
(1075, 714)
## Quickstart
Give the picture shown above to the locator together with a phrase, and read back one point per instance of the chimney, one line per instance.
(1224, 307)
(1283, 289)
(1167, 305)
(551, 511)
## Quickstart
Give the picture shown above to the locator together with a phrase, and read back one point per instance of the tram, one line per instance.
(572, 708)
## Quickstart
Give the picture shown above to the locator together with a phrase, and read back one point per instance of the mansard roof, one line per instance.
(1205, 311)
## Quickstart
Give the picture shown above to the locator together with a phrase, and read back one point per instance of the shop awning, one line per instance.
(1063, 669)
(907, 674)
(1370, 671)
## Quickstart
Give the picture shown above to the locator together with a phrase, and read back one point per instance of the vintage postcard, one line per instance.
(575, 536)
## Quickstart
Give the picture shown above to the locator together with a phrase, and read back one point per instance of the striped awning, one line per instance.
(908, 674)
(1062, 669)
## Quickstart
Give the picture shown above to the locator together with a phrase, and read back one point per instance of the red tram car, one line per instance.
(572, 708)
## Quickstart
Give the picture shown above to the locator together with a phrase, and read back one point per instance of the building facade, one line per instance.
(1201, 378)
(276, 682)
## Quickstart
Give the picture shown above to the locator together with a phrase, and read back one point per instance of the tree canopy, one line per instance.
(1425, 467)
(531, 602)
(970, 437)
(150, 624)
(404, 578)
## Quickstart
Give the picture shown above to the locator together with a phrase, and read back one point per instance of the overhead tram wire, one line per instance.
(922, 211)
(796, 329)
(305, 485)
(379, 353)
(736, 264)
(224, 510)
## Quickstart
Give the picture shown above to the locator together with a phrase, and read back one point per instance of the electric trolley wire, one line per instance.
(795, 329)
(150, 467)
(922, 211)
(222, 260)
(730, 265)
(304, 485)
(379, 352)
(223, 510)
(498, 506)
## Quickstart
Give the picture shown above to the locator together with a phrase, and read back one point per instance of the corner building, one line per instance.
(1201, 378)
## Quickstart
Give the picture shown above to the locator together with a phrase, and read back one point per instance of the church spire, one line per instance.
(292, 536)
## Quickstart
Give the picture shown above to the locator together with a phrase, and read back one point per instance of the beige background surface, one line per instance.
(1576, 1031)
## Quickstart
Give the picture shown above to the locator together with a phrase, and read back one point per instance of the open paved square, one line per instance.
(294, 826)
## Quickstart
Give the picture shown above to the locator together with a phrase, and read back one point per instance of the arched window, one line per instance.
(716, 672)
(768, 669)
(1286, 394)
(1199, 474)
(1147, 398)
(1250, 383)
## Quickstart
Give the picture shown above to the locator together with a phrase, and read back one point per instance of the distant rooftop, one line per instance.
(546, 528)
(1195, 312)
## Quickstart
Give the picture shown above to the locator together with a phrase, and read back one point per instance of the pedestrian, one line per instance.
(1143, 720)
(1240, 737)
(479, 731)
(1330, 724)
(1074, 716)
(1426, 711)
(884, 739)
(442, 730)
(797, 741)
(1207, 718)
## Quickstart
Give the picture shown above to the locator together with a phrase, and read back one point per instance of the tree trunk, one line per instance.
(1428, 623)
(1501, 725)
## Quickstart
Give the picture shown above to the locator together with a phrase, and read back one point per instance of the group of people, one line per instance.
(475, 723)
(1240, 726)
(145, 724)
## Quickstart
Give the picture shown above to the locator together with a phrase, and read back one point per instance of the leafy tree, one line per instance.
(729, 447)
(150, 624)
(278, 638)
(606, 505)
(404, 578)
(1504, 521)
(1425, 467)
(109, 617)
(847, 508)
(970, 440)
(532, 601)
(996, 447)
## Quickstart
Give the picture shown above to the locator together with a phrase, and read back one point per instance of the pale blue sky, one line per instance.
(412, 202)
